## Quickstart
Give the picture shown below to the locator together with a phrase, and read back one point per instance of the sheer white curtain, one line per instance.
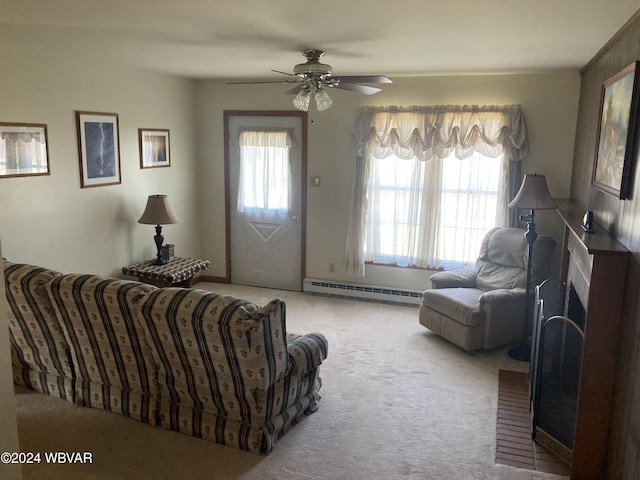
(399, 194)
(265, 172)
(431, 135)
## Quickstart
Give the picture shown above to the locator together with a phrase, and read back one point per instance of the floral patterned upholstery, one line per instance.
(40, 355)
(215, 367)
(113, 362)
(226, 371)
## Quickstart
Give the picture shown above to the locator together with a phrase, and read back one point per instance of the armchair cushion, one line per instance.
(461, 304)
(503, 256)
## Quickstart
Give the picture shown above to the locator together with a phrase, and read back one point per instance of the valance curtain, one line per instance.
(432, 133)
(265, 173)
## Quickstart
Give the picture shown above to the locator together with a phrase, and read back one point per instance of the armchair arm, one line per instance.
(504, 312)
(503, 297)
(461, 277)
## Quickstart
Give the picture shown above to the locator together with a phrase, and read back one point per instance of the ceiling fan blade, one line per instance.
(364, 79)
(358, 88)
(262, 81)
(284, 73)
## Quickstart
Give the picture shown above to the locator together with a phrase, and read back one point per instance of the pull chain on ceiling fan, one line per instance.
(313, 78)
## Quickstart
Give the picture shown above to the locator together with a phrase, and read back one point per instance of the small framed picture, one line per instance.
(617, 132)
(23, 150)
(99, 147)
(155, 149)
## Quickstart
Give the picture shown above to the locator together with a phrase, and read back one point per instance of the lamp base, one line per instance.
(159, 261)
(521, 353)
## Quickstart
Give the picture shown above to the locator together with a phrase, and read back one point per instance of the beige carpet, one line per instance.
(397, 402)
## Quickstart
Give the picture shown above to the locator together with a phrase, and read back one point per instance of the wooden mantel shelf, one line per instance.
(599, 241)
(595, 265)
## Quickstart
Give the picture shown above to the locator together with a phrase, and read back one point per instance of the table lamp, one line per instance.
(533, 195)
(158, 213)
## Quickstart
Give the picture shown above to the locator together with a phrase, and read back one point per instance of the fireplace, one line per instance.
(556, 367)
(576, 359)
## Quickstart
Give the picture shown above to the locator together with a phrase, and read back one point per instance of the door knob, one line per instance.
(295, 218)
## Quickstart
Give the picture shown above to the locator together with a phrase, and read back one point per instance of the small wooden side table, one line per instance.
(178, 271)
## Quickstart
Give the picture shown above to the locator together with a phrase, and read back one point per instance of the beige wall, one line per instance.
(549, 101)
(50, 220)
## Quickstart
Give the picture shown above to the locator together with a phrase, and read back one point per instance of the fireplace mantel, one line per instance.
(595, 264)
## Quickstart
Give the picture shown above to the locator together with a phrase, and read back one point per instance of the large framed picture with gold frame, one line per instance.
(616, 145)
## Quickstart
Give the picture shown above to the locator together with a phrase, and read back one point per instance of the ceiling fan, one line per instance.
(312, 78)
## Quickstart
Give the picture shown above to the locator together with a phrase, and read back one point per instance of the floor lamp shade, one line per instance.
(158, 213)
(533, 195)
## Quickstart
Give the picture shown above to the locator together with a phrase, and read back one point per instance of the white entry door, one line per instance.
(265, 200)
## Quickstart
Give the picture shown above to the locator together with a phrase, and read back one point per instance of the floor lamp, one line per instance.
(533, 195)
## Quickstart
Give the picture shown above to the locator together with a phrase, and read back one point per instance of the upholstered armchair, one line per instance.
(483, 307)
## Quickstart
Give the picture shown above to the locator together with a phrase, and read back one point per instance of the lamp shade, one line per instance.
(533, 194)
(158, 211)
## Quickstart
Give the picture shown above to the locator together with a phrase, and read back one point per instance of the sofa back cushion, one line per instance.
(114, 365)
(40, 352)
(215, 352)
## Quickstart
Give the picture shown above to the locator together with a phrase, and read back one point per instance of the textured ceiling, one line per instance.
(245, 39)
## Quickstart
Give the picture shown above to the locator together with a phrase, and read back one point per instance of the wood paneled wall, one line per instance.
(622, 220)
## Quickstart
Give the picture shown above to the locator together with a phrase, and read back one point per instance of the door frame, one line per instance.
(303, 182)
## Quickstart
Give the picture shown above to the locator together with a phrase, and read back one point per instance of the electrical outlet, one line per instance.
(332, 267)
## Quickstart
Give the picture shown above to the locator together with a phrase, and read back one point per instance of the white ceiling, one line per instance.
(245, 39)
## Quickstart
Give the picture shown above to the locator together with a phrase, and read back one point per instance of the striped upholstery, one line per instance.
(114, 365)
(226, 372)
(40, 354)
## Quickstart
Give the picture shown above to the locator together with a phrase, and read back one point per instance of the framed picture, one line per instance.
(617, 133)
(155, 150)
(99, 147)
(23, 150)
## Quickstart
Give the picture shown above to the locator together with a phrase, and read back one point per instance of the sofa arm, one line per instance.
(461, 277)
(307, 352)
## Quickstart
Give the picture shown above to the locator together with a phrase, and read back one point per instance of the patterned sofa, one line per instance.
(215, 367)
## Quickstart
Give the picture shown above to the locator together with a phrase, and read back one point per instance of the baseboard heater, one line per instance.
(363, 292)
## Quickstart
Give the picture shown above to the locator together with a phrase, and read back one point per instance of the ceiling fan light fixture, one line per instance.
(302, 100)
(323, 101)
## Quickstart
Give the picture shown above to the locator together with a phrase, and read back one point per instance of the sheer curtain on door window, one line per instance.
(265, 172)
(443, 201)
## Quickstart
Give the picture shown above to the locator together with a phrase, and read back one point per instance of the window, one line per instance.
(400, 207)
(469, 208)
(265, 173)
(430, 181)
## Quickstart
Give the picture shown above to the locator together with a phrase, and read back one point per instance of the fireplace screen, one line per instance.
(556, 374)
